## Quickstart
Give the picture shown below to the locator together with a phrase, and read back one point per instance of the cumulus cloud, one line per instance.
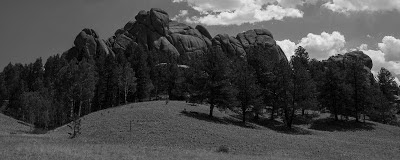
(324, 45)
(182, 13)
(345, 6)
(379, 60)
(320, 46)
(391, 47)
(288, 47)
(228, 12)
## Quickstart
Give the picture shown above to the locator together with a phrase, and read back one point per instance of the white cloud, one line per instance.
(228, 12)
(346, 6)
(295, 3)
(324, 45)
(288, 47)
(182, 13)
(379, 61)
(363, 47)
(318, 46)
(391, 47)
(396, 79)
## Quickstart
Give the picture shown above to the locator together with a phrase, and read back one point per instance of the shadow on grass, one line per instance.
(224, 120)
(281, 127)
(304, 119)
(329, 124)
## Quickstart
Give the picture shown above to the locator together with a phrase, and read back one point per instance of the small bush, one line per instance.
(38, 131)
(223, 149)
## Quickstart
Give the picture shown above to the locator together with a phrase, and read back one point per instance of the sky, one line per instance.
(31, 29)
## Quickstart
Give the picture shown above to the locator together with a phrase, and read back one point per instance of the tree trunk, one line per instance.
(272, 117)
(357, 117)
(364, 117)
(211, 110)
(80, 109)
(90, 106)
(287, 117)
(336, 116)
(243, 114)
(125, 94)
(257, 116)
(291, 118)
(356, 95)
(72, 109)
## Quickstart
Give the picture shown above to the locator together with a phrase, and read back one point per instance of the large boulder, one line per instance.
(88, 44)
(261, 38)
(230, 45)
(361, 56)
(354, 55)
(85, 41)
(160, 20)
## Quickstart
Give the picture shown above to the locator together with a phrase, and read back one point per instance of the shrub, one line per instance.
(223, 149)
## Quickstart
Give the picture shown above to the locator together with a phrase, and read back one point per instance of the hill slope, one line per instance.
(155, 124)
(10, 125)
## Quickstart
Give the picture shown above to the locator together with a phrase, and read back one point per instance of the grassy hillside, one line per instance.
(10, 125)
(181, 131)
(158, 124)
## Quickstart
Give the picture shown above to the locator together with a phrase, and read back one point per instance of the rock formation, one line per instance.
(155, 31)
(354, 55)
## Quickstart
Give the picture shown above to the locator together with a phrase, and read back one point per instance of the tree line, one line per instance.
(51, 94)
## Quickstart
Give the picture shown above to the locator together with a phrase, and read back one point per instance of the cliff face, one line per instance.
(155, 31)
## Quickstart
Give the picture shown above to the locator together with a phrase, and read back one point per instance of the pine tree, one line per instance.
(126, 77)
(144, 84)
(304, 88)
(249, 93)
(66, 84)
(387, 84)
(110, 88)
(212, 82)
(85, 85)
(333, 95)
(357, 78)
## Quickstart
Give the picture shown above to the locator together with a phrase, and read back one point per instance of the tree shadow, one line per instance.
(329, 124)
(281, 127)
(224, 120)
(304, 119)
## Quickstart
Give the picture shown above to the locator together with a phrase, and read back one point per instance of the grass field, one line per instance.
(154, 130)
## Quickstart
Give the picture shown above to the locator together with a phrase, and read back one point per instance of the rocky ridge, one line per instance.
(156, 32)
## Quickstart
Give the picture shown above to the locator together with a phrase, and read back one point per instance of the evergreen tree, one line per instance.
(387, 84)
(304, 88)
(36, 109)
(212, 82)
(266, 77)
(357, 78)
(281, 90)
(249, 93)
(144, 84)
(66, 84)
(126, 77)
(15, 87)
(110, 89)
(85, 85)
(3, 90)
(332, 92)
(381, 109)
